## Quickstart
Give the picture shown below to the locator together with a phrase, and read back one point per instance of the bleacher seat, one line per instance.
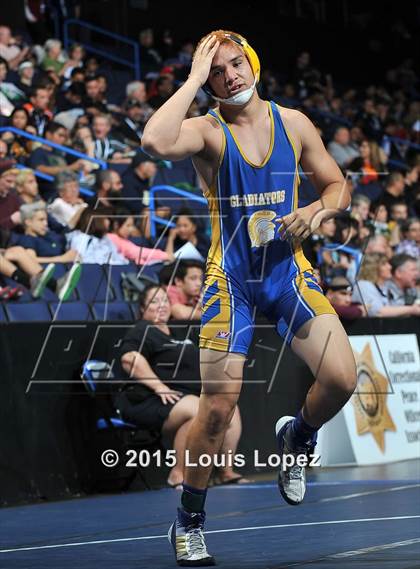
(76, 310)
(93, 285)
(112, 311)
(36, 311)
(114, 272)
(3, 317)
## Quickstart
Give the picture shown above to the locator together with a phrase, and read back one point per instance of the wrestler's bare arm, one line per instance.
(168, 134)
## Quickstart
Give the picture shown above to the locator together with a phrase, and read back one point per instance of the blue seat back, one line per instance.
(28, 311)
(112, 311)
(76, 310)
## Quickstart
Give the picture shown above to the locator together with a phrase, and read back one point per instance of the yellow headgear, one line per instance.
(250, 53)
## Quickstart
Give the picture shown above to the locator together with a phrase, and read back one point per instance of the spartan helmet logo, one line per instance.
(261, 227)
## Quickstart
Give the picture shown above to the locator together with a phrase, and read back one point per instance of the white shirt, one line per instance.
(63, 211)
(95, 250)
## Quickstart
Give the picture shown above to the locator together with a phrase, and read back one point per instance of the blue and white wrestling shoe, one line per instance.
(187, 539)
(292, 477)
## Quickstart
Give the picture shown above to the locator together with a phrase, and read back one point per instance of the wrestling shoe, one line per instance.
(187, 539)
(291, 479)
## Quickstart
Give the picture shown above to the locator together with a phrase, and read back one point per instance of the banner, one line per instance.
(381, 422)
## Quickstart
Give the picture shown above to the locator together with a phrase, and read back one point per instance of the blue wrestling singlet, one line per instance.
(248, 266)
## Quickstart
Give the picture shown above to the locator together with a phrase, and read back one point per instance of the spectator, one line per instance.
(369, 121)
(75, 60)
(164, 371)
(51, 161)
(9, 200)
(9, 50)
(186, 231)
(108, 187)
(394, 190)
(340, 148)
(410, 245)
(136, 181)
(82, 140)
(54, 59)
(9, 94)
(379, 219)
(370, 289)
(91, 242)
(106, 147)
(27, 186)
(122, 229)
(19, 146)
(165, 89)
(184, 289)
(39, 113)
(339, 293)
(398, 211)
(369, 166)
(401, 287)
(150, 58)
(94, 92)
(26, 72)
(379, 244)
(130, 129)
(136, 91)
(68, 207)
(48, 246)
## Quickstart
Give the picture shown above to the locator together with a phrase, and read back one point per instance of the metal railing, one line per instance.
(133, 64)
(156, 219)
(51, 144)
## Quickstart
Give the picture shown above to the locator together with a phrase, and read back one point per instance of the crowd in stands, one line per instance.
(60, 208)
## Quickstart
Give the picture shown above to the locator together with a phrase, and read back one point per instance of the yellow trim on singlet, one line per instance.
(301, 261)
(241, 152)
(215, 251)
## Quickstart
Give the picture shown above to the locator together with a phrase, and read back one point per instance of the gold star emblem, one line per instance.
(369, 400)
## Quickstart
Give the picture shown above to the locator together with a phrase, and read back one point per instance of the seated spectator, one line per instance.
(401, 287)
(186, 231)
(394, 190)
(340, 148)
(68, 207)
(19, 146)
(163, 367)
(136, 91)
(379, 219)
(379, 244)
(50, 161)
(371, 292)
(75, 60)
(398, 212)
(323, 235)
(90, 240)
(107, 147)
(54, 58)
(37, 108)
(9, 48)
(94, 93)
(10, 94)
(360, 206)
(9, 200)
(184, 282)
(82, 140)
(26, 71)
(108, 186)
(410, 244)
(339, 293)
(165, 88)
(150, 58)
(370, 164)
(122, 229)
(130, 129)
(137, 180)
(48, 246)
(27, 186)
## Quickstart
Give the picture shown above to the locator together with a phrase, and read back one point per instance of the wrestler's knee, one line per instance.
(220, 409)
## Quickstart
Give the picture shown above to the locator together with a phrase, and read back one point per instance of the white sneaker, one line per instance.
(68, 282)
(40, 281)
